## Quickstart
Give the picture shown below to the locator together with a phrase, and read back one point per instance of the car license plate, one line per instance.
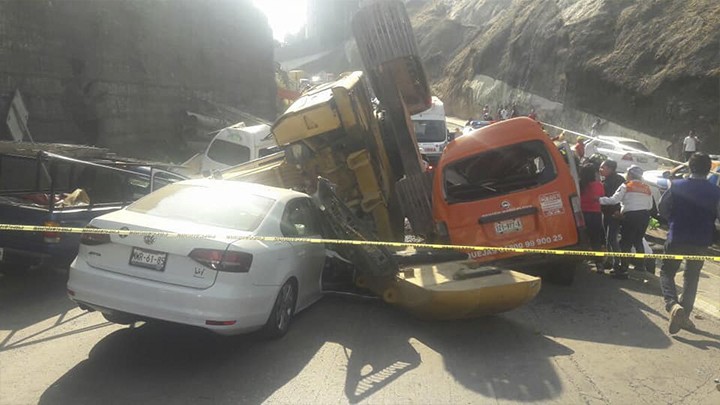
(512, 225)
(148, 259)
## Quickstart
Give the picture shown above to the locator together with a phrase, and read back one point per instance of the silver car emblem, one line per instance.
(149, 239)
(124, 235)
(505, 204)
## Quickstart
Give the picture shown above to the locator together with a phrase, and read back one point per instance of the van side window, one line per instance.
(499, 171)
(228, 153)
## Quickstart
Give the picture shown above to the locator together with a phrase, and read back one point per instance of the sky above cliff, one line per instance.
(285, 16)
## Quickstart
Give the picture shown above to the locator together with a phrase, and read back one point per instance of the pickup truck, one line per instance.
(55, 190)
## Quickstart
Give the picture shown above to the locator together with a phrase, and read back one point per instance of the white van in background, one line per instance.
(230, 147)
(431, 131)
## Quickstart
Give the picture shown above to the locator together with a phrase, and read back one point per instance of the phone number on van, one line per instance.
(543, 240)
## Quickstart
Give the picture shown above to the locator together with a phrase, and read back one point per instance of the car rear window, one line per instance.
(635, 145)
(223, 207)
(228, 153)
(498, 171)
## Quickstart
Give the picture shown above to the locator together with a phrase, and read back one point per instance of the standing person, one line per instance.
(594, 128)
(690, 144)
(691, 207)
(514, 111)
(504, 113)
(635, 203)
(611, 213)
(500, 112)
(591, 189)
(533, 114)
(579, 148)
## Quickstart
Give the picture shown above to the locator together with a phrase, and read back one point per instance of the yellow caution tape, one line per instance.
(494, 249)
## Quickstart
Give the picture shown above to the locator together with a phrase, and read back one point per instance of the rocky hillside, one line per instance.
(651, 66)
(123, 73)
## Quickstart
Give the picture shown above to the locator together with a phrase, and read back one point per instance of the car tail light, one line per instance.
(94, 239)
(627, 156)
(577, 211)
(51, 237)
(223, 260)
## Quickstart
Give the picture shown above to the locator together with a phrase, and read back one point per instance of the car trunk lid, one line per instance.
(156, 257)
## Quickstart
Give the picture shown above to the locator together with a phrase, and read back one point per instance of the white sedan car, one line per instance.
(227, 285)
(625, 151)
(659, 180)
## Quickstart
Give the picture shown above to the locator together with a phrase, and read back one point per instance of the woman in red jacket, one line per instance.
(591, 189)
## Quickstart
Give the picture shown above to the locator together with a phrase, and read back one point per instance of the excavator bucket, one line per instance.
(459, 290)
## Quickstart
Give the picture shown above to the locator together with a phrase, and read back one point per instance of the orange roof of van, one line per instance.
(493, 136)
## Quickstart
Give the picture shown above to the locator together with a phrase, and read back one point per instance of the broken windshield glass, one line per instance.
(498, 171)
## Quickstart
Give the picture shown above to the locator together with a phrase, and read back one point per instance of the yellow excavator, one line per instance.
(359, 159)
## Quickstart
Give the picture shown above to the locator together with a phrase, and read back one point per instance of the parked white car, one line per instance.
(625, 151)
(659, 180)
(229, 286)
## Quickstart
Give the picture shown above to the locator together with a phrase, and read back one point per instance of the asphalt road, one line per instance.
(599, 341)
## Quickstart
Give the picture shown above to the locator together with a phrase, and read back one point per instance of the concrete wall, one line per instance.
(121, 73)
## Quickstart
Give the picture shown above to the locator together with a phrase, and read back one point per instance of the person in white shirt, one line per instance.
(690, 144)
(635, 202)
(504, 114)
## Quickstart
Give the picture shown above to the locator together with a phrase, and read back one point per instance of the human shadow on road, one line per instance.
(161, 363)
(598, 308)
(700, 344)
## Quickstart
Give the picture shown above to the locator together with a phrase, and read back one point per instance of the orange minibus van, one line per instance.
(508, 185)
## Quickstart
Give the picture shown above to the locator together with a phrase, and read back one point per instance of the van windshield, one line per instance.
(430, 131)
(228, 153)
(498, 171)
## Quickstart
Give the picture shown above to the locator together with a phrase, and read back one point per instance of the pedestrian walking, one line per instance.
(591, 189)
(611, 213)
(690, 145)
(595, 127)
(635, 202)
(691, 207)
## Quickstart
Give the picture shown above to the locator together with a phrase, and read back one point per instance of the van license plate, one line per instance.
(510, 226)
(148, 259)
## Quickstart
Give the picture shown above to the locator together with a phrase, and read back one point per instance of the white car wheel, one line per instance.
(283, 310)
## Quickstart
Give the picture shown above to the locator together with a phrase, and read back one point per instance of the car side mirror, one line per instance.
(666, 175)
(450, 136)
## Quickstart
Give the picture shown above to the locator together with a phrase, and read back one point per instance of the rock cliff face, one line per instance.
(122, 73)
(650, 66)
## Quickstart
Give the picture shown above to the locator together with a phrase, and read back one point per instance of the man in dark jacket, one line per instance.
(611, 222)
(691, 207)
